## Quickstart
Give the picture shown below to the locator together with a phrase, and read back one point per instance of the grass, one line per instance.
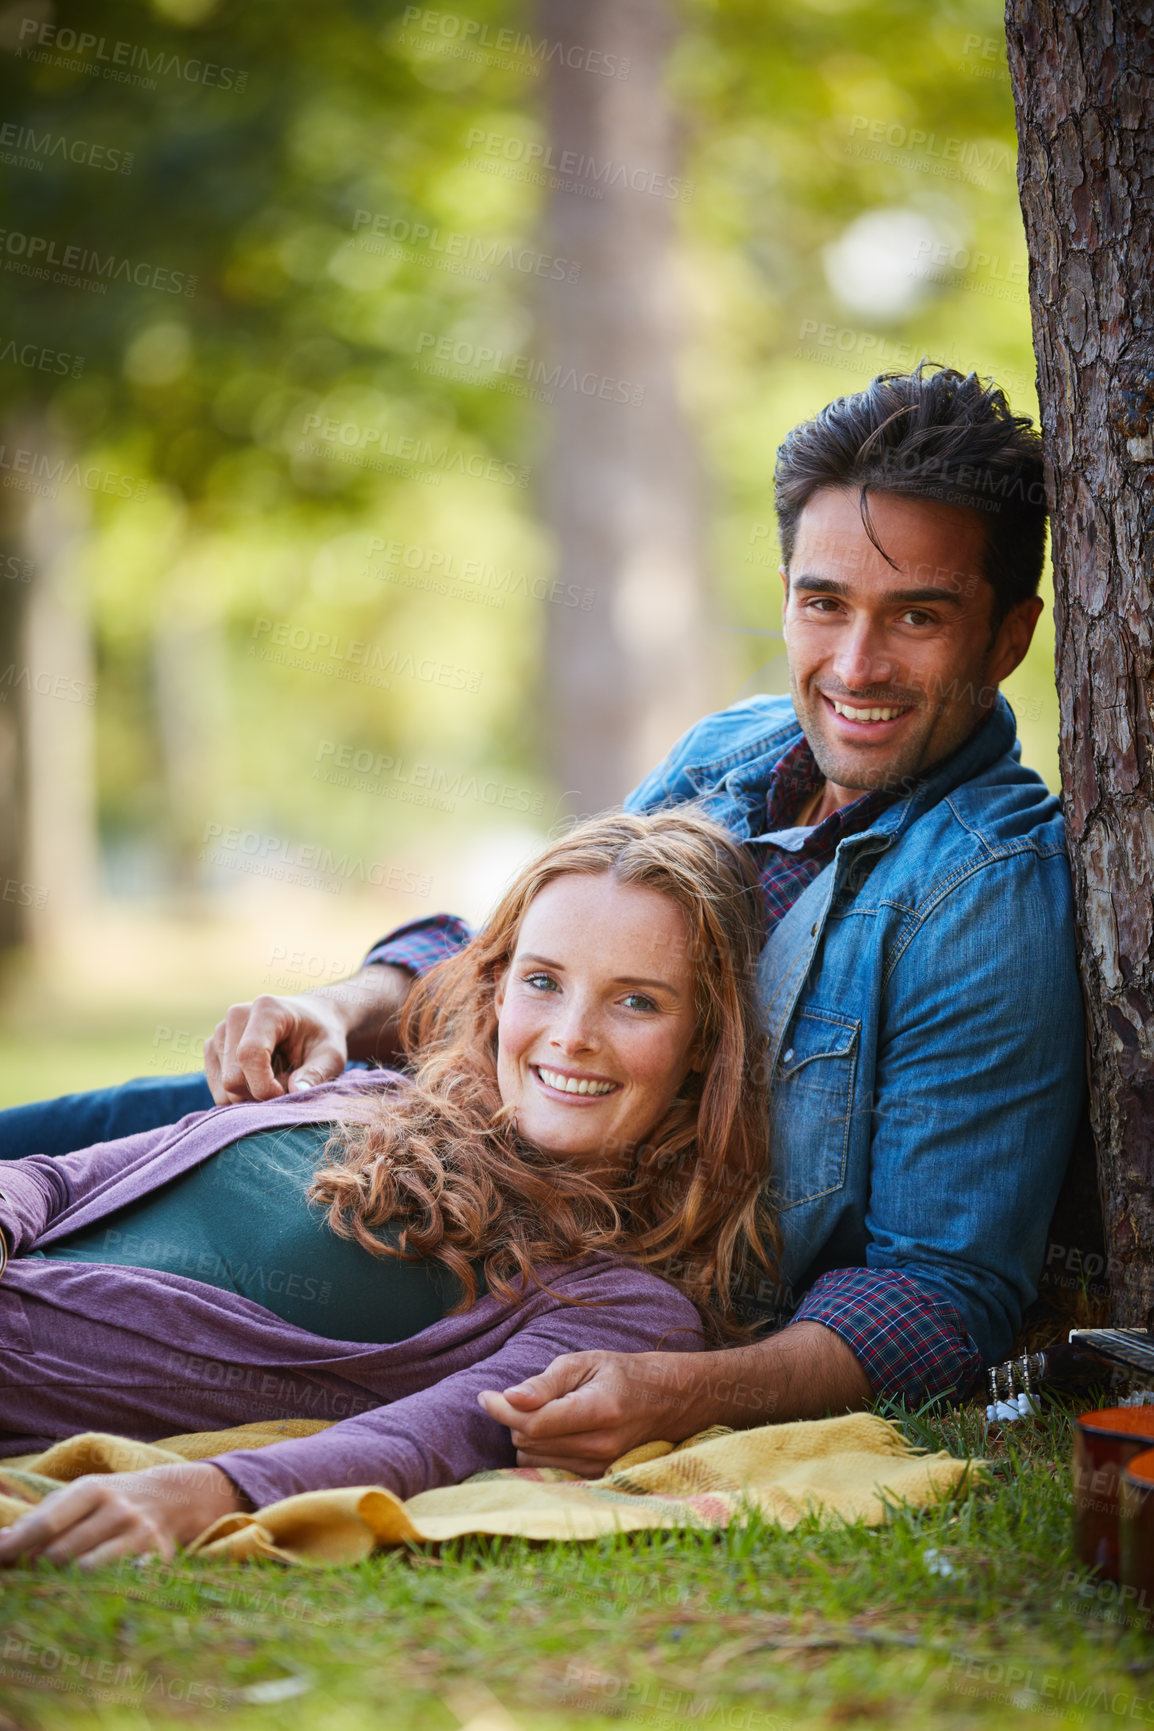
(970, 1614)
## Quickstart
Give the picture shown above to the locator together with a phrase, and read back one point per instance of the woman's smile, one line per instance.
(573, 1085)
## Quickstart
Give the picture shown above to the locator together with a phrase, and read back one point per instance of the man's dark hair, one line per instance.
(935, 435)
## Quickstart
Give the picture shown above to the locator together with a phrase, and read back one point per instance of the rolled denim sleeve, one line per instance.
(978, 1086)
(911, 1343)
(421, 944)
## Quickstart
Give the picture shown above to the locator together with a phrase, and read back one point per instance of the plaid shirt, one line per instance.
(910, 1341)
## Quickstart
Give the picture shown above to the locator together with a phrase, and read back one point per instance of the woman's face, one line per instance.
(595, 1018)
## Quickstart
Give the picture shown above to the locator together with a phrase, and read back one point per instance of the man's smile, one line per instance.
(858, 721)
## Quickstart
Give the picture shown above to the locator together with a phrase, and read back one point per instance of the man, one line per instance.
(921, 999)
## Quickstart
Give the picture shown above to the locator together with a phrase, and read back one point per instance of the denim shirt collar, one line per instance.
(745, 774)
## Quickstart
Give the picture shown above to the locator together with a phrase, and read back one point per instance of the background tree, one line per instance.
(624, 493)
(1083, 80)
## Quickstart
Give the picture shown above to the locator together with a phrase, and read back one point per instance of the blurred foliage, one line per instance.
(799, 123)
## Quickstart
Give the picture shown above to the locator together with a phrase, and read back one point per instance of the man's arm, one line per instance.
(589, 1408)
(277, 1045)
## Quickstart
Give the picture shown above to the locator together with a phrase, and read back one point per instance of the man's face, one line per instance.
(890, 670)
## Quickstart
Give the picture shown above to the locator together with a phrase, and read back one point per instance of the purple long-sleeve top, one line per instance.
(150, 1353)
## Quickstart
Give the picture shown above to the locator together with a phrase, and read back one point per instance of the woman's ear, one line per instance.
(502, 979)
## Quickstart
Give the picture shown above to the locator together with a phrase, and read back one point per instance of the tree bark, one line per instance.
(1082, 73)
(628, 673)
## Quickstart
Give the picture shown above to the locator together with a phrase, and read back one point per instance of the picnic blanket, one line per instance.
(853, 1468)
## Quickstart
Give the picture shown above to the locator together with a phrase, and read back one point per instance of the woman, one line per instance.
(576, 1162)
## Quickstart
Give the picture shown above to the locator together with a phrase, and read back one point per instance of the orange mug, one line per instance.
(1136, 1537)
(1104, 1443)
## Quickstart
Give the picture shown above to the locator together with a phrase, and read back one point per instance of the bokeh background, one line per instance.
(390, 401)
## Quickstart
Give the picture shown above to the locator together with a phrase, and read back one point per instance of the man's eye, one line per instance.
(823, 604)
(917, 616)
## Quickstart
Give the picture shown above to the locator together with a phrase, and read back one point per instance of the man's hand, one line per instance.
(279, 1045)
(107, 1515)
(275, 1046)
(588, 1408)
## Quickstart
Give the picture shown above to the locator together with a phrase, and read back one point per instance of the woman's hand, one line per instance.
(107, 1515)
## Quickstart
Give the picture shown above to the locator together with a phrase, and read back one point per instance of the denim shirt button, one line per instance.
(813, 931)
(787, 1056)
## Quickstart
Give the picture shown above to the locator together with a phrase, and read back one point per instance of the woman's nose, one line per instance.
(574, 1029)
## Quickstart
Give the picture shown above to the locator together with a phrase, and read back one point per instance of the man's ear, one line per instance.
(1013, 637)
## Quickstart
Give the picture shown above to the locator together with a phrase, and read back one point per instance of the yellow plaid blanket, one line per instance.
(851, 1468)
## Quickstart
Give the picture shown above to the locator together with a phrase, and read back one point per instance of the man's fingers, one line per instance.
(566, 1374)
(324, 1061)
(497, 1406)
(269, 1022)
(593, 1465)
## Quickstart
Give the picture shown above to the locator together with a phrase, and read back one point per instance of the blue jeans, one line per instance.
(77, 1120)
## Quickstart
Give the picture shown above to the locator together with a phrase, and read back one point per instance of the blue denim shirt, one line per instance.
(924, 1016)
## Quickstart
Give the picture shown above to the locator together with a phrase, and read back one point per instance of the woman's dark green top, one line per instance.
(241, 1221)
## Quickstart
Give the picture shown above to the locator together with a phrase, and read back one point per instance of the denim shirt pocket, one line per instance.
(812, 1105)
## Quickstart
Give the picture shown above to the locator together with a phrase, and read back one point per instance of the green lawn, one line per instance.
(67, 1060)
(972, 1614)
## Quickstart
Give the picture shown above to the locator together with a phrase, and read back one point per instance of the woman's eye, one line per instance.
(540, 982)
(638, 1001)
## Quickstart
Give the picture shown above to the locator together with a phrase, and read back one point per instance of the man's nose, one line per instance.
(863, 659)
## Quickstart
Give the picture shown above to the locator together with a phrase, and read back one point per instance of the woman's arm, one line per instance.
(34, 1191)
(441, 1434)
(436, 1436)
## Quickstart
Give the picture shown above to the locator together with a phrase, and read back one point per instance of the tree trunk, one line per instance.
(61, 848)
(1082, 73)
(15, 576)
(628, 672)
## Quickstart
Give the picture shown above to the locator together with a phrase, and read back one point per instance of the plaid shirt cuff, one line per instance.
(421, 944)
(911, 1342)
